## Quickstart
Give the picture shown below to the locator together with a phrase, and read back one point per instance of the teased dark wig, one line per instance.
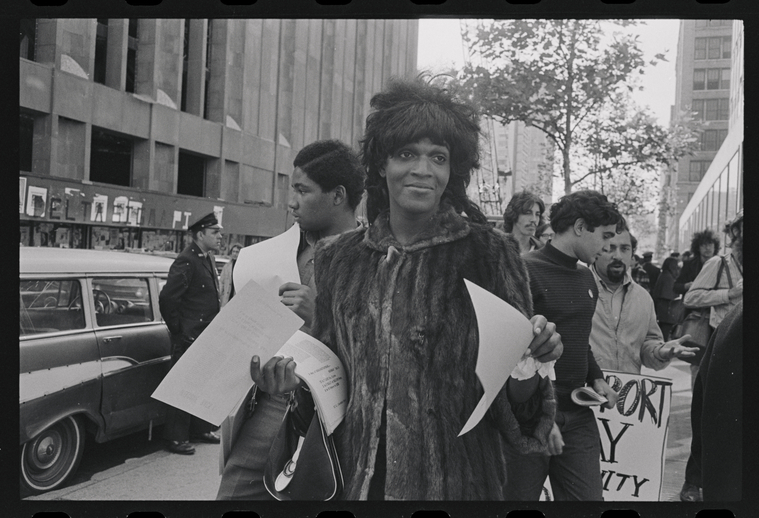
(407, 111)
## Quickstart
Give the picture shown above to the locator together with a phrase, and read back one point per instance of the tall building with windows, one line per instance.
(132, 128)
(719, 194)
(703, 84)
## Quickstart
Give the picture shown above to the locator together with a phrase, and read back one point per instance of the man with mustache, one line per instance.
(625, 334)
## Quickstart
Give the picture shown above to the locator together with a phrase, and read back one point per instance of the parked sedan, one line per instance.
(93, 347)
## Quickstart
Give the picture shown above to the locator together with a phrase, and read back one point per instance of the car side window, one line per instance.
(120, 301)
(50, 305)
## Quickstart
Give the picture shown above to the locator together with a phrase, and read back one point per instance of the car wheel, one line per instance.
(49, 459)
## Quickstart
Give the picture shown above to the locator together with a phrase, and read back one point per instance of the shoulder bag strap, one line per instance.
(723, 266)
(719, 272)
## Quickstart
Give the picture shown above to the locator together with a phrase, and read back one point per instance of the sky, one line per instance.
(440, 46)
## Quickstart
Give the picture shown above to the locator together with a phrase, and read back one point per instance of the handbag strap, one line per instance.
(723, 266)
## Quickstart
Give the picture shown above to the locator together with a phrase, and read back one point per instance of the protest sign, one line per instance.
(634, 437)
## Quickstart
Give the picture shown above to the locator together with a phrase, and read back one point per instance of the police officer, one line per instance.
(188, 302)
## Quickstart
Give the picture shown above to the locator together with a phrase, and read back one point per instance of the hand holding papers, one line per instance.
(270, 263)
(211, 378)
(324, 374)
(505, 335)
(214, 374)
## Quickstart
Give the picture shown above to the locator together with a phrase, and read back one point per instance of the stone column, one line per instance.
(116, 53)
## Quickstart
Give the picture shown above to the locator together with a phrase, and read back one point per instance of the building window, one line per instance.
(185, 64)
(26, 140)
(697, 170)
(725, 83)
(209, 49)
(27, 37)
(727, 44)
(711, 109)
(711, 78)
(700, 48)
(192, 174)
(111, 158)
(711, 140)
(713, 48)
(699, 79)
(698, 109)
(101, 50)
(132, 41)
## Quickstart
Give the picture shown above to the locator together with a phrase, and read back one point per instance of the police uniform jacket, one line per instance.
(190, 298)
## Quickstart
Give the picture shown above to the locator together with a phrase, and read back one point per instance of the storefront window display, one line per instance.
(110, 238)
(159, 240)
(52, 235)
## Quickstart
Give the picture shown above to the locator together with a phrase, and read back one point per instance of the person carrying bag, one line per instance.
(696, 323)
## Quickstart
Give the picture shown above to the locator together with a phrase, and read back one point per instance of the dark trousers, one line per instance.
(575, 474)
(666, 329)
(693, 467)
(179, 424)
(243, 476)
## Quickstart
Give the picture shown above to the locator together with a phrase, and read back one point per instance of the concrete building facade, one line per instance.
(131, 129)
(704, 80)
(719, 195)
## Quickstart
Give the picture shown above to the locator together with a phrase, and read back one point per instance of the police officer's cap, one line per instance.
(207, 221)
(648, 254)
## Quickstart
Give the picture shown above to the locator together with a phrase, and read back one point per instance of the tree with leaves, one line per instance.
(572, 81)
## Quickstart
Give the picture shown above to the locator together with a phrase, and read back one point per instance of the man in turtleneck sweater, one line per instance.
(566, 293)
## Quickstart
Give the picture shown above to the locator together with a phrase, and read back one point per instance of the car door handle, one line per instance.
(108, 339)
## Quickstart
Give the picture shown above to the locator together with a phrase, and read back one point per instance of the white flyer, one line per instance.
(271, 263)
(210, 378)
(505, 334)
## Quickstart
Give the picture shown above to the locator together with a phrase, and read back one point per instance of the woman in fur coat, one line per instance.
(393, 305)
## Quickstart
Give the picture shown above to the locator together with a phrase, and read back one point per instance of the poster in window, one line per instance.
(37, 198)
(218, 212)
(99, 205)
(120, 209)
(21, 194)
(134, 212)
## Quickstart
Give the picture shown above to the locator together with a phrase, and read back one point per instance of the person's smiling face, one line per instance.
(416, 176)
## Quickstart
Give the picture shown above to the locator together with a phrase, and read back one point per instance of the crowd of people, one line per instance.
(389, 299)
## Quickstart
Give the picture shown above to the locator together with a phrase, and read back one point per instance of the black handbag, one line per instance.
(303, 463)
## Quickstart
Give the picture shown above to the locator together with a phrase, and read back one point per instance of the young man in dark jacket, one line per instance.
(565, 292)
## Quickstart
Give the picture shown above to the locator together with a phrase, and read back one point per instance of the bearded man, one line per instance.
(625, 334)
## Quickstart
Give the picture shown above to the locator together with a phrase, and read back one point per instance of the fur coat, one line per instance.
(401, 320)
